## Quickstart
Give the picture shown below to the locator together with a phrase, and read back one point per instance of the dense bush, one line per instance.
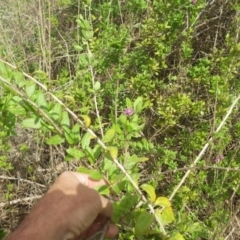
(149, 85)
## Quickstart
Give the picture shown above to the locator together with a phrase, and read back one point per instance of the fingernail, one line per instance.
(83, 179)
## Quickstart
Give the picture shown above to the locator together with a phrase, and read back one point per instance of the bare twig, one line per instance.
(94, 94)
(21, 180)
(20, 200)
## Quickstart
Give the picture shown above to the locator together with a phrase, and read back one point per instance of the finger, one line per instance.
(107, 207)
(112, 231)
(87, 181)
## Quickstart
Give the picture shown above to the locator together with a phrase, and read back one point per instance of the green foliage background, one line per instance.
(174, 63)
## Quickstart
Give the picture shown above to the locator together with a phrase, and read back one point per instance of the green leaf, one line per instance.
(88, 34)
(163, 202)
(143, 223)
(78, 47)
(128, 102)
(97, 151)
(70, 98)
(76, 133)
(32, 123)
(56, 112)
(20, 80)
(2, 234)
(97, 86)
(78, 154)
(150, 191)
(103, 190)
(6, 71)
(83, 60)
(109, 135)
(68, 135)
(165, 215)
(84, 170)
(41, 100)
(138, 104)
(131, 161)
(95, 175)
(177, 236)
(86, 140)
(87, 120)
(65, 119)
(120, 208)
(123, 119)
(55, 140)
(16, 109)
(30, 88)
(113, 152)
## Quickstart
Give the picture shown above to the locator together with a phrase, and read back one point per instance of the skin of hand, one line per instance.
(71, 209)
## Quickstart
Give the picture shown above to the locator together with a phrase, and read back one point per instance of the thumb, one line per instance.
(87, 181)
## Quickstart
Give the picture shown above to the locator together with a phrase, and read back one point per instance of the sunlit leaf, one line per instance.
(95, 175)
(87, 120)
(165, 215)
(109, 135)
(163, 202)
(56, 112)
(86, 140)
(65, 119)
(30, 88)
(143, 223)
(97, 86)
(138, 104)
(150, 191)
(177, 236)
(76, 153)
(70, 98)
(113, 152)
(84, 170)
(32, 123)
(41, 100)
(16, 109)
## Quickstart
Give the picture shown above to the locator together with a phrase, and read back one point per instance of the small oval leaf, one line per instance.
(32, 123)
(55, 140)
(78, 154)
(163, 202)
(113, 152)
(97, 86)
(87, 120)
(109, 135)
(166, 215)
(177, 236)
(150, 191)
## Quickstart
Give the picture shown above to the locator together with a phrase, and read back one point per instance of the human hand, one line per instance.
(71, 209)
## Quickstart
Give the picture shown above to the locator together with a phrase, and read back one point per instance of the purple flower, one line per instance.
(194, 2)
(128, 111)
(218, 158)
